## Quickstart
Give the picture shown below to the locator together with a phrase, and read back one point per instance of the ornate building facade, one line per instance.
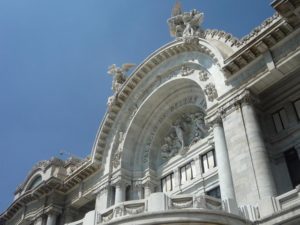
(206, 130)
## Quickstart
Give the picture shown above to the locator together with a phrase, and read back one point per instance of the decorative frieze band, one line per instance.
(234, 104)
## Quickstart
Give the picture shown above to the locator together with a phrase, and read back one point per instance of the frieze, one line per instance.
(222, 35)
(259, 29)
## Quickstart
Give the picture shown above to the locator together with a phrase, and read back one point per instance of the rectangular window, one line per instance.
(208, 161)
(280, 120)
(167, 183)
(187, 172)
(297, 108)
(293, 164)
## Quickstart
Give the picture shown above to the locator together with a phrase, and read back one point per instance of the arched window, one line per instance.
(36, 181)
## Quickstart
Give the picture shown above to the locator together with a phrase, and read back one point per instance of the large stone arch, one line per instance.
(155, 116)
(200, 63)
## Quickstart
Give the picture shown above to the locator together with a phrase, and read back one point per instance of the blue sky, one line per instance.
(53, 62)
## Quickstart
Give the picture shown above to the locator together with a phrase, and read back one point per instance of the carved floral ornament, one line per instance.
(211, 92)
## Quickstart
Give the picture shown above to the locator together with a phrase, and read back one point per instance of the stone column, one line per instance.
(38, 221)
(102, 198)
(51, 219)
(258, 150)
(120, 192)
(224, 170)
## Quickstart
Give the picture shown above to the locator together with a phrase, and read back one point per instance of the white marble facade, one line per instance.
(205, 131)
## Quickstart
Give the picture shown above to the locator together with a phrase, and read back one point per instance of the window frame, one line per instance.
(185, 171)
(280, 117)
(295, 108)
(209, 167)
(164, 179)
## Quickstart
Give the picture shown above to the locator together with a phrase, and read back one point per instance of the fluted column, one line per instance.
(51, 219)
(258, 150)
(224, 170)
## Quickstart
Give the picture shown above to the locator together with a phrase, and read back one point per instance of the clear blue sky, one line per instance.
(54, 56)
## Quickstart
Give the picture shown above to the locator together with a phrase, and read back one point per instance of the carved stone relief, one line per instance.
(185, 70)
(203, 75)
(118, 154)
(211, 92)
(185, 131)
(172, 108)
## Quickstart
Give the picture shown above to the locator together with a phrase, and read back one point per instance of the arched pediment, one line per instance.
(200, 63)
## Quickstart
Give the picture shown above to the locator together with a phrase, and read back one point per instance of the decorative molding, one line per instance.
(185, 70)
(222, 36)
(203, 75)
(259, 29)
(211, 92)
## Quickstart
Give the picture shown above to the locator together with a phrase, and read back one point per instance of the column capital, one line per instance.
(247, 98)
(215, 120)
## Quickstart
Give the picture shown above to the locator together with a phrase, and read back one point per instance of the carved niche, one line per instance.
(184, 131)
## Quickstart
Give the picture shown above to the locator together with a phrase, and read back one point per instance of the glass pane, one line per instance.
(188, 172)
(164, 185)
(277, 122)
(193, 169)
(169, 185)
(297, 107)
(211, 161)
(284, 118)
(183, 175)
(205, 163)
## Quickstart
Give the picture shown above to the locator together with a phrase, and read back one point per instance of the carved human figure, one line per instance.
(118, 74)
(179, 132)
(200, 125)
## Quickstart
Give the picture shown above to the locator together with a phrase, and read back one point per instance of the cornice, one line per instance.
(257, 42)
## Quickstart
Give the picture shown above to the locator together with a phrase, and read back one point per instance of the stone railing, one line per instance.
(288, 199)
(158, 202)
(88, 219)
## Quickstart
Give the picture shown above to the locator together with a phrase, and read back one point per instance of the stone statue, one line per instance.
(185, 25)
(118, 74)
